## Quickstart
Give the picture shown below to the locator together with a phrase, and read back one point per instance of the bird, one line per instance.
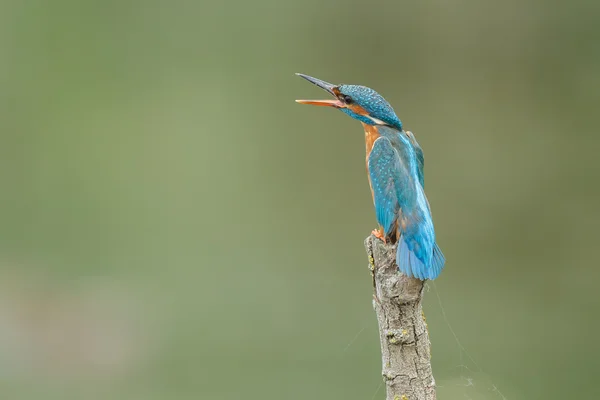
(395, 165)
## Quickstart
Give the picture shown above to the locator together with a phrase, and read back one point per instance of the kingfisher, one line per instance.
(395, 170)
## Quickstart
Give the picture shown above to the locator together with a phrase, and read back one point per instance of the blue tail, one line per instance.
(422, 266)
(437, 262)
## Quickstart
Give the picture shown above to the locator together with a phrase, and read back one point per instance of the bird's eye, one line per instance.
(348, 99)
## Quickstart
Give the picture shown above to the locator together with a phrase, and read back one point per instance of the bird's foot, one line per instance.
(379, 234)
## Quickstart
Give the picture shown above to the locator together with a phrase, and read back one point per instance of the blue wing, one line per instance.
(399, 196)
(386, 173)
(419, 156)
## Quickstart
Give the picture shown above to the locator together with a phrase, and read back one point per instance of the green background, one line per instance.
(174, 226)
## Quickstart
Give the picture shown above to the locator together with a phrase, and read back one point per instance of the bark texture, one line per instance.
(405, 346)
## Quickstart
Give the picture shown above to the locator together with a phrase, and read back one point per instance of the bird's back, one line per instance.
(402, 196)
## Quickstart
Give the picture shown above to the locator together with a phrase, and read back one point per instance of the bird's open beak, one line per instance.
(325, 86)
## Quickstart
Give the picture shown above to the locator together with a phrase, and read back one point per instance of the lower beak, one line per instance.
(326, 103)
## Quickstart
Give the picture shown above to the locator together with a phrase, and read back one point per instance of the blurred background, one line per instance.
(174, 226)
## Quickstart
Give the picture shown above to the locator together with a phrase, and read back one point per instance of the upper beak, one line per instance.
(325, 86)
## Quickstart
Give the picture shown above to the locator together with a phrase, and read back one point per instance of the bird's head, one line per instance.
(359, 102)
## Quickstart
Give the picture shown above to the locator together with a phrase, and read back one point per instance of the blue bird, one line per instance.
(395, 169)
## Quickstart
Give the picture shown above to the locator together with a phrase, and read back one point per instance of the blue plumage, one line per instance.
(382, 164)
(375, 105)
(396, 173)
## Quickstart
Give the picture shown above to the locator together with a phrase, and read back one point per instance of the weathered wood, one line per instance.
(405, 346)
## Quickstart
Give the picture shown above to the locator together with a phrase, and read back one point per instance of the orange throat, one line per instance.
(371, 135)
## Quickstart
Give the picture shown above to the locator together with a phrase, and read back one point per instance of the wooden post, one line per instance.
(405, 346)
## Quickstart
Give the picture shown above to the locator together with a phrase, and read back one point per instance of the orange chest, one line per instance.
(371, 135)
